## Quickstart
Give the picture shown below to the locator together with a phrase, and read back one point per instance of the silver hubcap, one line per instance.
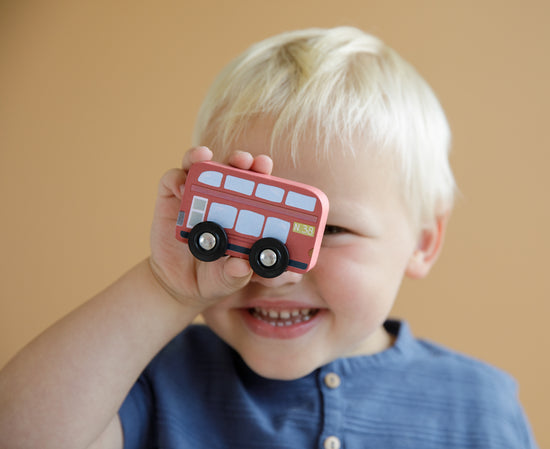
(207, 241)
(268, 257)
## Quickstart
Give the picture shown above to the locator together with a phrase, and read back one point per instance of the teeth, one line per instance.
(285, 317)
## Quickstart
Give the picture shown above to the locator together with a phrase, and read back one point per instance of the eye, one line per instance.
(334, 230)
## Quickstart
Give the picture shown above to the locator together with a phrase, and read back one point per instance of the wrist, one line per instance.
(158, 279)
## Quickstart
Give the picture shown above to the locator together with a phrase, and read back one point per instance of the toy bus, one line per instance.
(275, 223)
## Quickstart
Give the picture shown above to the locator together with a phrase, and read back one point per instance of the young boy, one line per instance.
(299, 360)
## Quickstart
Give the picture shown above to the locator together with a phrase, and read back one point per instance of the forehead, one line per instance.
(348, 180)
(309, 151)
(340, 168)
(358, 179)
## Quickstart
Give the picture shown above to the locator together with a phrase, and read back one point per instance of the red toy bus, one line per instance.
(275, 223)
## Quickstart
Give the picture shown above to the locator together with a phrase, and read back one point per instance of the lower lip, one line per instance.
(264, 329)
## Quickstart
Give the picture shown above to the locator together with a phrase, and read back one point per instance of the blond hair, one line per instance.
(337, 83)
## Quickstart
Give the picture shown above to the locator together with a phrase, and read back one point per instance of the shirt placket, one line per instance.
(330, 383)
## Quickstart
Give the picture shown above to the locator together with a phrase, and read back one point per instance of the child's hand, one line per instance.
(190, 281)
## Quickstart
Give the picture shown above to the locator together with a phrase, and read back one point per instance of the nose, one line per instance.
(288, 277)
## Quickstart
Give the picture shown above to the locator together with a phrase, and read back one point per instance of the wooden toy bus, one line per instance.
(275, 223)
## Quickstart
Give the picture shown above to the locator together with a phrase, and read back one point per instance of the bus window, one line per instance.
(276, 228)
(211, 178)
(181, 218)
(239, 185)
(222, 214)
(271, 193)
(300, 201)
(196, 213)
(249, 223)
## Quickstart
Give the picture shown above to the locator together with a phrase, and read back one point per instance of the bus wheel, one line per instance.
(268, 257)
(207, 241)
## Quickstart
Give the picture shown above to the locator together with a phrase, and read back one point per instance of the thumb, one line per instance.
(222, 277)
(236, 273)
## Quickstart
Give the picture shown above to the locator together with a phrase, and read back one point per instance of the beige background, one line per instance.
(98, 98)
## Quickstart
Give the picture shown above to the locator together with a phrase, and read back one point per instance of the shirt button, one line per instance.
(332, 442)
(332, 380)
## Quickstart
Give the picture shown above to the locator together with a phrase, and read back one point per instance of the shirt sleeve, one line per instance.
(135, 415)
(524, 431)
(517, 432)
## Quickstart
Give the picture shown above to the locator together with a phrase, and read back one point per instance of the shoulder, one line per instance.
(185, 369)
(480, 399)
(460, 377)
(437, 362)
(459, 367)
(196, 344)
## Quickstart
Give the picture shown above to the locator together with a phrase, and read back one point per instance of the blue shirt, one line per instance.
(198, 393)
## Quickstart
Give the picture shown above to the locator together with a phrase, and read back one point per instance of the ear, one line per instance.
(429, 246)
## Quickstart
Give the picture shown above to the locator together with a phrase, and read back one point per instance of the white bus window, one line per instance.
(197, 211)
(249, 223)
(271, 193)
(211, 178)
(239, 185)
(195, 218)
(276, 228)
(199, 203)
(223, 215)
(301, 201)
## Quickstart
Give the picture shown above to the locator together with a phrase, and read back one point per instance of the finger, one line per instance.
(262, 164)
(197, 154)
(236, 269)
(171, 182)
(241, 159)
(236, 274)
(223, 277)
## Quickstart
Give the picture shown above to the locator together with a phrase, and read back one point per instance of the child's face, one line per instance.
(343, 302)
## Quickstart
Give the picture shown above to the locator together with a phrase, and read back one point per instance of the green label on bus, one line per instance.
(304, 229)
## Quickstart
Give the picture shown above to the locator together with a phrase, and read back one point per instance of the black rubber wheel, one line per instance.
(269, 257)
(207, 241)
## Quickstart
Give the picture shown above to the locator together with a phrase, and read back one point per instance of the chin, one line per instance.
(279, 370)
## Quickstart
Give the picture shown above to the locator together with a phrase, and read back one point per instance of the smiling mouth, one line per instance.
(282, 318)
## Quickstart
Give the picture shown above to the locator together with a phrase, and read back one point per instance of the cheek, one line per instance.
(210, 317)
(353, 262)
(354, 276)
(216, 316)
(342, 275)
